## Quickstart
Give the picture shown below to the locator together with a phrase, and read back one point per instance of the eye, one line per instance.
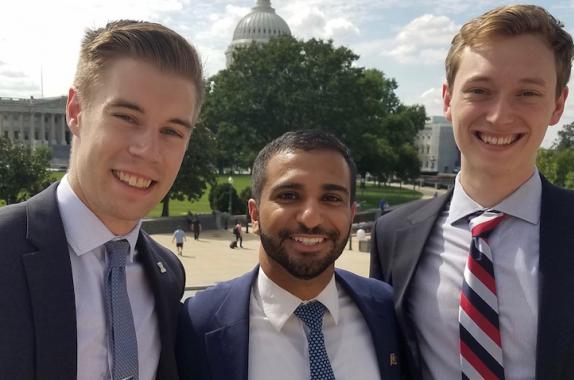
(476, 91)
(529, 93)
(287, 196)
(172, 132)
(332, 198)
(126, 118)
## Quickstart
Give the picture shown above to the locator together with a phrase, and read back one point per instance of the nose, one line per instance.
(501, 112)
(144, 144)
(310, 215)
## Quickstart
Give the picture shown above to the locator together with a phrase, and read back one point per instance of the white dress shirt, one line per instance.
(435, 290)
(86, 235)
(278, 346)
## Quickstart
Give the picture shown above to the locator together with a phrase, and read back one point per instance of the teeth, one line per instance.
(497, 140)
(308, 241)
(132, 180)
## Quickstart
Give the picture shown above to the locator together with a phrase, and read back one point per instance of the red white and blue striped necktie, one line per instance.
(480, 343)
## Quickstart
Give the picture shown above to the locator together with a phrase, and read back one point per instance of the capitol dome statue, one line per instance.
(259, 25)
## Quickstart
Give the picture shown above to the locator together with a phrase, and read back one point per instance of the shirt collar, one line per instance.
(523, 203)
(85, 232)
(278, 304)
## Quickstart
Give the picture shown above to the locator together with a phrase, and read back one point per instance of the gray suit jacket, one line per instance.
(37, 306)
(398, 242)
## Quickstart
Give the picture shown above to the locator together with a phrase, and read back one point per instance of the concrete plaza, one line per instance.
(209, 260)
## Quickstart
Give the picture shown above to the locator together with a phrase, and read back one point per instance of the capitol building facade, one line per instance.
(35, 122)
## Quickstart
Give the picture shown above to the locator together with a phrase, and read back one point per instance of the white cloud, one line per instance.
(310, 19)
(432, 100)
(423, 40)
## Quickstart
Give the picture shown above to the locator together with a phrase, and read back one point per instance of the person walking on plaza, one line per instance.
(196, 227)
(294, 316)
(179, 238)
(482, 275)
(237, 231)
(85, 293)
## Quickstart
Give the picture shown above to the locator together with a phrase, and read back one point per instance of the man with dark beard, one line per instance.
(294, 316)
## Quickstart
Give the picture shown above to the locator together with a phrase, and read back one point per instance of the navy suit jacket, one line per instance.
(213, 331)
(38, 338)
(398, 242)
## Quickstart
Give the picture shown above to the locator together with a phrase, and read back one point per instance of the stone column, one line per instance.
(21, 127)
(63, 127)
(1, 125)
(43, 128)
(52, 128)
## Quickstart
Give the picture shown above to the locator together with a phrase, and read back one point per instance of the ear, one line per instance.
(446, 98)
(254, 214)
(559, 109)
(353, 211)
(73, 110)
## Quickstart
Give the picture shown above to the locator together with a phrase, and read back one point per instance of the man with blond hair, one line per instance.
(483, 275)
(84, 292)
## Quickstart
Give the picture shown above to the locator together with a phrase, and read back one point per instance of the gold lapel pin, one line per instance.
(393, 359)
(161, 267)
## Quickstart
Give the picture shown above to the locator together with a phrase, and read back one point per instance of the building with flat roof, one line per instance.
(436, 147)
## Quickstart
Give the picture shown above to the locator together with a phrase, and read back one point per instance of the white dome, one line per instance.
(260, 25)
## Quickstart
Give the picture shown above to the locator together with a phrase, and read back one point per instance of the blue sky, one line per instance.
(406, 39)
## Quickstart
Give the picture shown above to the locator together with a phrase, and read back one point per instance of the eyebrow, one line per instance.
(298, 186)
(534, 80)
(121, 103)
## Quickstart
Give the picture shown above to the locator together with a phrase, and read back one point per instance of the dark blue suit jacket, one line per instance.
(37, 306)
(398, 242)
(213, 331)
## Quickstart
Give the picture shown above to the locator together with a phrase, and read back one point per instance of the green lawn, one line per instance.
(368, 197)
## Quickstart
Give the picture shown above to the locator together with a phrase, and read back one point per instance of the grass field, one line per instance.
(368, 197)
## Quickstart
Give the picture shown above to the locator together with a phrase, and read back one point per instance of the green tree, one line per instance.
(288, 85)
(219, 199)
(565, 139)
(557, 166)
(197, 169)
(23, 171)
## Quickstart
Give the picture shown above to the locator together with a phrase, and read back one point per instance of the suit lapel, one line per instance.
(556, 285)
(50, 282)
(227, 346)
(375, 319)
(408, 245)
(164, 287)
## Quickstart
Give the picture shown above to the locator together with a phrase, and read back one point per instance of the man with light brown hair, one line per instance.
(84, 292)
(482, 276)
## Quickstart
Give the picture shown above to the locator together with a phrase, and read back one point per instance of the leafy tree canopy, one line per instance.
(289, 84)
(23, 171)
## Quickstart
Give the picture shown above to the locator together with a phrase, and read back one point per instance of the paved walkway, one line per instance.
(210, 260)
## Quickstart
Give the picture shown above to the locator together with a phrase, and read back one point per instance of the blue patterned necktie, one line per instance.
(312, 315)
(121, 330)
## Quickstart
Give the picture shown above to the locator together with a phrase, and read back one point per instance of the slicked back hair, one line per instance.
(305, 140)
(510, 21)
(150, 42)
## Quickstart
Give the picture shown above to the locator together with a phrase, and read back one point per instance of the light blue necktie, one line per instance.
(312, 315)
(121, 330)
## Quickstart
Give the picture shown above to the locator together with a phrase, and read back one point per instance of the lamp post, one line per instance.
(230, 181)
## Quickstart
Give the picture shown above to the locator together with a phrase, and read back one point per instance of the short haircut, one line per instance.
(306, 140)
(150, 42)
(509, 21)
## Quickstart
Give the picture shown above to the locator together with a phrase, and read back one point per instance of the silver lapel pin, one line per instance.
(161, 267)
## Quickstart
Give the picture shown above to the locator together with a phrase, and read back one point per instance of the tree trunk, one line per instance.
(165, 206)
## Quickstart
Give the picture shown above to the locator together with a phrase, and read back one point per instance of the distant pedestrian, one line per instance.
(179, 238)
(238, 234)
(196, 227)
